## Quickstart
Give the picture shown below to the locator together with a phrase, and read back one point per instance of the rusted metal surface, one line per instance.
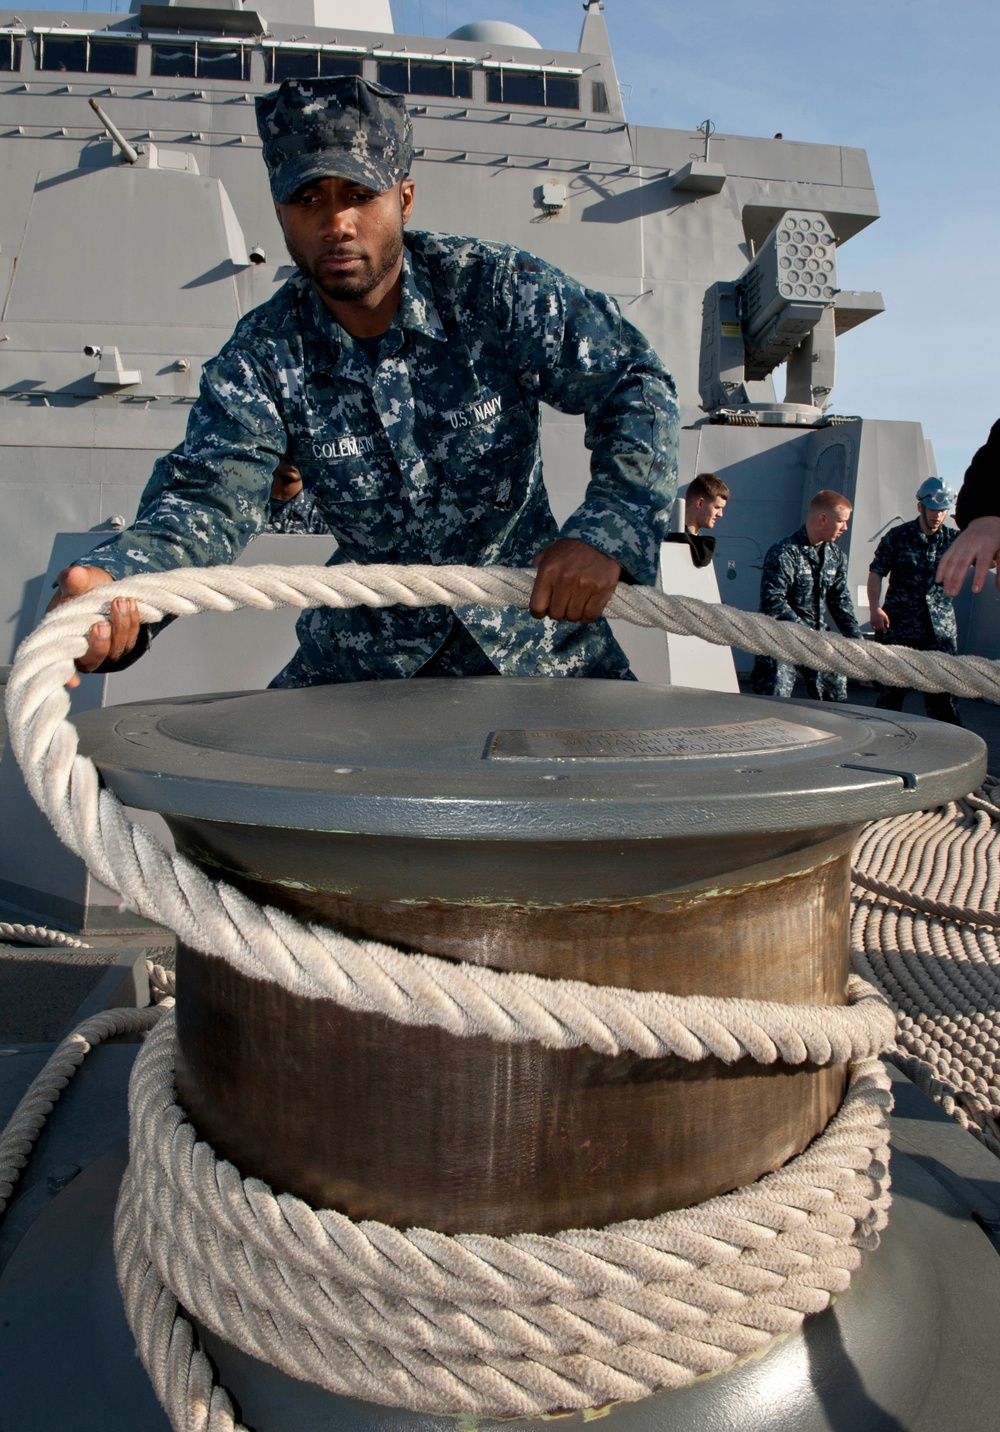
(415, 1126)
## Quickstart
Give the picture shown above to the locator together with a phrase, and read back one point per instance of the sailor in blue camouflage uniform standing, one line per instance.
(916, 611)
(803, 574)
(401, 374)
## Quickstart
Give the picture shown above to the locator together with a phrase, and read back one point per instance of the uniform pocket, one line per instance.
(344, 467)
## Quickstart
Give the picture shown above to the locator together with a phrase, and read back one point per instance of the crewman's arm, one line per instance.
(977, 513)
(840, 606)
(203, 503)
(571, 348)
(979, 547)
(881, 565)
(879, 620)
(775, 583)
(207, 498)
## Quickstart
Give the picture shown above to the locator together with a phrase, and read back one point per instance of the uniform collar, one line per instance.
(416, 306)
(328, 347)
(801, 537)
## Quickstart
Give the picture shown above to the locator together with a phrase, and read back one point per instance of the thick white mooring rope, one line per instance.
(33, 1109)
(309, 960)
(188, 590)
(737, 1269)
(474, 1323)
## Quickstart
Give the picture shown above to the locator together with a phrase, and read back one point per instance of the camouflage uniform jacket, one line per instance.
(916, 606)
(797, 582)
(430, 455)
(800, 579)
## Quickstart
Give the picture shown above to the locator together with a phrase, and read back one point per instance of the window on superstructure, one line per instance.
(339, 65)
(111, 57)
(562, 92)
(87, 54)
(308, 64)
(10, 53)
(214, 62)
(63, 54)
(428, 77)
(533, 87)
(198, 61)
(599, 97)
(172, 61)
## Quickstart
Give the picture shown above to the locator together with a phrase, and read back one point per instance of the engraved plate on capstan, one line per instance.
(736, 738)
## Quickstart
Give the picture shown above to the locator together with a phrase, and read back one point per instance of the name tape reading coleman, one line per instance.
(737, 738)
(347, 446)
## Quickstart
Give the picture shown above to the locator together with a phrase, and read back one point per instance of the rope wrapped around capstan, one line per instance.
(453, 1323)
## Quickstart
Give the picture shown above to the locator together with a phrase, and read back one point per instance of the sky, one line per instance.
(910, 81)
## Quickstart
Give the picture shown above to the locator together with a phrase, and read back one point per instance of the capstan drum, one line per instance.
(614, 833)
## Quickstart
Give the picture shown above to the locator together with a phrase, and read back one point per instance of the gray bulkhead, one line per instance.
(117, 281)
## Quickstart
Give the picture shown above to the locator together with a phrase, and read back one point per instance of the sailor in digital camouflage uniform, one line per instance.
(803, 574)
(916, 612)
(418, 442)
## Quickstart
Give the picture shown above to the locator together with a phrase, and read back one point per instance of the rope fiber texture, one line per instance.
(935, 955)
(469, 1323)
(39, 935)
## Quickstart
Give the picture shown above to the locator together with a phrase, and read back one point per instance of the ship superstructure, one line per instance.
(124, 265)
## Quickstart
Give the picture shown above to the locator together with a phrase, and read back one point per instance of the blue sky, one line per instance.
(910, 81)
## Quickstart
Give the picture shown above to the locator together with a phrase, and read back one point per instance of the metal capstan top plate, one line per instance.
(525, 758)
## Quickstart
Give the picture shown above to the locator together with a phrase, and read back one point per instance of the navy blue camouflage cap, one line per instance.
(935, 494)
(341, 126)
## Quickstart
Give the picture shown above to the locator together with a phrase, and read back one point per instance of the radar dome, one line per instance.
(495, 32)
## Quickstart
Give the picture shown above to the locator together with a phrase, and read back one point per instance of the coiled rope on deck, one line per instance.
(519, 1325)
(39, 935)
(571, 1321)
(479, 1324)
(925, 933)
